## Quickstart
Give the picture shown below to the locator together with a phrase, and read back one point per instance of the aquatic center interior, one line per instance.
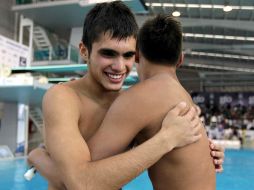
(39, 48)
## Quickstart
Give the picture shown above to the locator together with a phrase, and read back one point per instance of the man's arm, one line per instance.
(128, 115)
(40, 159)
(71, 155)
(133, 111)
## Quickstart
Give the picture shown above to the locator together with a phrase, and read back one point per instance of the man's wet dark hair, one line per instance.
(160, 40)
(114, 18)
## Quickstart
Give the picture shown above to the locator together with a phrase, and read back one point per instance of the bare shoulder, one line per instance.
(58, 93)
(60, 98)
(141, 99)
(159, 93)
(146, 91)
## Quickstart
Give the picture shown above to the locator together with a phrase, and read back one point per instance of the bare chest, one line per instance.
(90, 120)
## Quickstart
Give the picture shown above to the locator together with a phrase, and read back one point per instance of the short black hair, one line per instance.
(160, 39)
(114, 17)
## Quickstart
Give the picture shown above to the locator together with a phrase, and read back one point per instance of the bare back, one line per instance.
(138, 113)
(188, 168)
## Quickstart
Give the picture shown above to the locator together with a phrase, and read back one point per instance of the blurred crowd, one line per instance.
(229, 122)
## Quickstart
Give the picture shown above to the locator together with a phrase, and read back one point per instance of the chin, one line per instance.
(114, 87)
(116, 90)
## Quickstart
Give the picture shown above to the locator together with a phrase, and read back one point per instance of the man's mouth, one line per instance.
(115, 78)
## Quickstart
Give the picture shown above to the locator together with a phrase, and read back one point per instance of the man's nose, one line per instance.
(118, 65)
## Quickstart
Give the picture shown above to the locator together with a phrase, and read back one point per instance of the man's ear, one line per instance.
(137, 56)
(180, 61)
(83, 51)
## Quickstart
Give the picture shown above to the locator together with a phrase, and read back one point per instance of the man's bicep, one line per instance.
(63, 144)
(117, 130)
(62, 137)
(69, 152)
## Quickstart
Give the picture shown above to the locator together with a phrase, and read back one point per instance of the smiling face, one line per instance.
(111, 60)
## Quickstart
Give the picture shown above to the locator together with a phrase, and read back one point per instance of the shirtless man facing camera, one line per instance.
(159, 54)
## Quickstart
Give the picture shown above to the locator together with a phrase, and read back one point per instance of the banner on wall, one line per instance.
(13, 54)
(22, 126)
(220, 99)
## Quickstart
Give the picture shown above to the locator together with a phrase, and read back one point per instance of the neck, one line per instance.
(153, 69)
(94, 90)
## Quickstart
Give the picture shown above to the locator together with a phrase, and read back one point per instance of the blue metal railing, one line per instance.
(56, 53)
(22, 2)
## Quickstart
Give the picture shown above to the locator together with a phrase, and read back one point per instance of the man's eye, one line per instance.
(129, 55)
(108, 53)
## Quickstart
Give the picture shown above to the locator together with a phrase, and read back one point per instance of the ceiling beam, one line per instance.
(201, 22)
(206, 46)
(202, 63)
(233, 24)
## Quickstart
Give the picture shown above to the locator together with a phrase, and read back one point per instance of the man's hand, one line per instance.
(179, 129)
(217, 152)
(198, 110)
(39, 158)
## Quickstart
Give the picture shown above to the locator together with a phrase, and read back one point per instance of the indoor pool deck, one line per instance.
(238, 174)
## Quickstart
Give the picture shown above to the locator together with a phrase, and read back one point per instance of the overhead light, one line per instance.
(90, 2)
(156, 4)
(244, 57)
(219, 67)
(202, 6)
(227, 8)
(84, 3)
(240, 38)
(176, 13)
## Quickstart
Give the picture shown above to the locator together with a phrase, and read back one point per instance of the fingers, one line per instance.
(198, 110)
(196, 130)
(196, 121)
(218, 154)
(191, 114)
(216, 147)
(218, 161)
(179, 109)
(219, 168)
(196, 138)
